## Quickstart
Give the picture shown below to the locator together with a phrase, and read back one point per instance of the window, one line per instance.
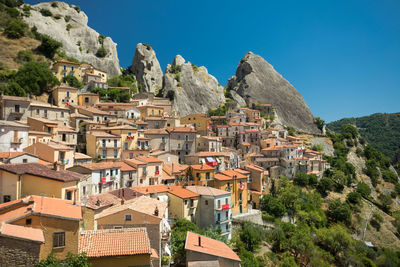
(185, 201)
(103, 142)
(186, 137)
(6, 198)
(126, 145)
(129, 133)
(187, 146)
(45, 113)
(62, 114)
(191, 203)
(116, 171)
(115, 153)
(115, 142)
(227, 214)
(103, 154)
(65, 67)
(17, 108)
(227, 227)
(179, 146)
(68, 95)
(72, 68)
(84, 190)
(219, 203)
(226, 201)
(25, 161)
(69, 195)
(207, 176)
(64, 74)
(28, 221)
(117, 227)
(37, 111)
(144, 170)
(163, 139)
(206, 202)
(59, 240)
(128, 217)
(157, 168)
(111, 172)
(86, 99)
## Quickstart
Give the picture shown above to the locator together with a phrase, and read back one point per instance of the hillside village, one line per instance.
(106, 166)
(101, 168)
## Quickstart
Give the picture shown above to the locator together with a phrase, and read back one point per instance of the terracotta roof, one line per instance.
(270, 149)
(166, 176)
(6, 155)
(38, 133)
(125, 167)
(58, 145)
(232, 173)
(67, 62)
(102, 200)
(222, 126)
(151, 189)
(44, 120)
(13, 124)
(181, 192)
(181, 129)
(93, 110)
(114, 242)
(155, 131)
(209, 246)
(101, 165)
(242, 171)
(207, 191)
(81, 156)
(140, 204)
(254, 167)
(134, 162)
(149, 159)
(43, 206)
(252, 131)
(245, 144)
(21, 232)
(202, 167)
(102, 134)
(121, 127)
(40, 170)
(79, 115)
(14, 98)
(174, 168)
(155, 119)
(66, 129)
(211, 154)
(65, 87)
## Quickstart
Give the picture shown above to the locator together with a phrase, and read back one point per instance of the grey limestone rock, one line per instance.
(196, 91)
(146, 68)
(257, 81)
(80, 41)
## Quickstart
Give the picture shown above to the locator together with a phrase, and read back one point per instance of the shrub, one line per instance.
(386, 201)
(175, 69)
(148, 47)
(171, 95)
(272, 206)
(45, 12)
(13, 12)
(301, 179)
(77, 8)
(15, 29)
(325, 184)
(58, 16)
(54, 4)
(71, 80)
(101, 52)
(196, 69)
(67, 18)
(320, 123)
(178, 77)
(354, 198)
(49, 46)
(24, 56)
(318, 147)
(339, 212)
(101, 39)
(291, 131)
(69, 26)
(376, 221)
(389, 176)
(363, 189)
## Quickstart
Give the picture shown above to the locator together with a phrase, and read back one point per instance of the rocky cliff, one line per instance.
(146, 68)
(78, 39)
(257, 81)
(195, 91)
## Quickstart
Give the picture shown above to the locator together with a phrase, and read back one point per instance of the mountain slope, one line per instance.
(257, 81)
(381, 130)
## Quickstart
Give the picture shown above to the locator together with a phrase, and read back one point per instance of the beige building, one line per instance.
(14, 108)
(53, 151)
(63, 95)
(103, 145)
(39, 109)
(182, 203)
(182, 141)
(158, 139)
(13, 136)
(88, 99)
(63, 68)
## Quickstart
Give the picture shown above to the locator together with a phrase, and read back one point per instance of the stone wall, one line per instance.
(15, 252)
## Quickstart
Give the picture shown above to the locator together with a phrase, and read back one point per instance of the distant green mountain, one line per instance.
(381, 130)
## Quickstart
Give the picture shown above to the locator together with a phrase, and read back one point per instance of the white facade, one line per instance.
(222, 214)
(13, 136)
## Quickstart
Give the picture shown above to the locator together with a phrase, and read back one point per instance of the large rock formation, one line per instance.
(257, 81)
(80, 41)
(146, 68)
(195, 91)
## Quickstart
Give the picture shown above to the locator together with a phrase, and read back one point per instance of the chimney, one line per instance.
(156, 211)
(55, 165)
(122, 201)
(199, 241)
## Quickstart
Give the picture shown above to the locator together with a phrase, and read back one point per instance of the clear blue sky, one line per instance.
(343, 56)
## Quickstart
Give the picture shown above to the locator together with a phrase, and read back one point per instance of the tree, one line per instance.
(301, 179)
(325, 184)
(72, 260)
(291, 131)
(386, 201)
(101, 52)
(349, 131)
(35, 78)
(320, 123)
(15, 29)
(272, 205)
(125, 80)
(339, 212)
(171, 95)
(49, 46)
(251, 236)
(363, 189)
(71, 80)
(24, 56)
(101, 39)
(354, 198)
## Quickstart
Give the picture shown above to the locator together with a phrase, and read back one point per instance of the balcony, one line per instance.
(63, 161)
(226, 220)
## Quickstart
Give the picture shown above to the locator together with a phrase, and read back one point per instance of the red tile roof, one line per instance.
(232, 173)
(21, 232)
(40, 170)
(209, 246)
(181, 192)
(114, 242)
(151, 189)
(202, 167)
(149, 159)
(181, 129)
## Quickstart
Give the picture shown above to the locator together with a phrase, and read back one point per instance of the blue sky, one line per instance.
(343, 56)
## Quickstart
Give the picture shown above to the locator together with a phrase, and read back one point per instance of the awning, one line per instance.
(203, 161)
(166, 224)
(167, 250)
(210, 159)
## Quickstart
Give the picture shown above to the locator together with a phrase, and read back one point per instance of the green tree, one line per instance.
(15, 29)
(49, 46)
(320, 123)
(339, 212)
(71, 80)
(35, 78)
(386, 201)
(354, 198)
(324, 185)
(101, 52)
(272, 206)
(251, 236)
(363, 189)
(301, 179)
(24, 56)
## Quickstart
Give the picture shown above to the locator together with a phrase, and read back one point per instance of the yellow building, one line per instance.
(199, 121)
(200, 174)
(116, 247)
(103, 145)
(150, 111)
(65, 95)
(63, 68)
(88, 99)
(20, 180)
(97, 72)
(182, 203)
(57, 219)
(128, 135)
(236, 183)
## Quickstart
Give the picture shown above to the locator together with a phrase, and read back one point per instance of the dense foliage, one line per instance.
(113, 95)
(71, 80)
(125, 80)
(72, 260)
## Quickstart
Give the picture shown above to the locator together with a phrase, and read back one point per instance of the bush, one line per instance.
(320, 123)
(67, 18)
(389, 176)
(45, 12)
(13, 12)
(175, 69)
(386, 201)
(54, 4)
(101, 52)
(171, 95)
(101, 39)
(301, 179)
(272, 206)
(363, 189)
(24, 56)
(77, 8)
(318, 147)
(339, 212)
(324, 185)
(376, 221)
(68, 27)
(58, 16)
(49, 46)
(15, 29)
(354, 198)
(291, 131)
(71, 80)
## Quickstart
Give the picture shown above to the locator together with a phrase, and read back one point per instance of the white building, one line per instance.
(13, 136)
